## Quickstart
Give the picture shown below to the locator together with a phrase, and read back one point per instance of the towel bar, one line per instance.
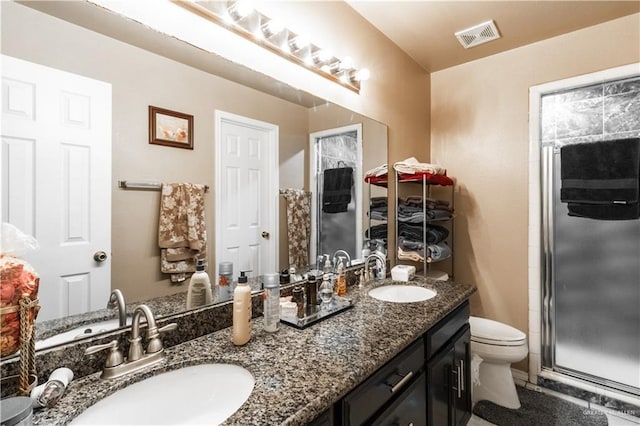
(150, 186)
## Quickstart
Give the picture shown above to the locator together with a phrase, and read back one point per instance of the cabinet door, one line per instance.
(462, 377)
(440, 390)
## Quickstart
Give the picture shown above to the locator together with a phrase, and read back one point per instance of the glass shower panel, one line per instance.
(597, 294)
(337, 231)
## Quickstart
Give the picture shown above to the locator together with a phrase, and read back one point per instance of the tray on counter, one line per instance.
(322, 312)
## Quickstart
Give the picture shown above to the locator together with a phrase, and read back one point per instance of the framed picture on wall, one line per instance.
(170, 128)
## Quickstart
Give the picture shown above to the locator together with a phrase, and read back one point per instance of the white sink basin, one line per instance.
(400, 293)
(198, 394)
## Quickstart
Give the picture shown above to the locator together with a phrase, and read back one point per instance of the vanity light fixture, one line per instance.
(241, 17)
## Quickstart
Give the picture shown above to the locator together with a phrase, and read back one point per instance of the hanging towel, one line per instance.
(601, 180)
(336, 190)
(298, 226)
(182, 234)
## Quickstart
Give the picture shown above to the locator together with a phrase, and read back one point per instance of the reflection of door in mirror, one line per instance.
(246, 193)
(336, 176)
(56, 166)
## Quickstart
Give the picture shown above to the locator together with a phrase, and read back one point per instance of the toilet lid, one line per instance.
(489, 330)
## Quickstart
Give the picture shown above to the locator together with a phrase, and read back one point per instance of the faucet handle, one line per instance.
(113, 358)
(155, 344)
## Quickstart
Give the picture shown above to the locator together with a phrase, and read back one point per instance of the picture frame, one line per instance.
(170, 128)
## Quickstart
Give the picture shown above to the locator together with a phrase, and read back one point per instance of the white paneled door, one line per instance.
(56, 173)
(246, 193)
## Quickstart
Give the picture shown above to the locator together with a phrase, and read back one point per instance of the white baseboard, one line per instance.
(520, 377)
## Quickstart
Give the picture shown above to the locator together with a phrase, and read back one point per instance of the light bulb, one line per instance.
(272, 28)
(362, 75)
(300, 42)
(346, 63)
(322, 55)
(241, 9)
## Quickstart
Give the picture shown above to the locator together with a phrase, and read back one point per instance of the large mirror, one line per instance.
(142, 69)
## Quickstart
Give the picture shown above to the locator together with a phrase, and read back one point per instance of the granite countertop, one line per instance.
(298, 373)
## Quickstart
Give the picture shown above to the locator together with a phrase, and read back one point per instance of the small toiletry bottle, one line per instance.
(298, 297)
(242, 311)
(327, 264)
(311, 293)
(341, 281)
(271, 299)
(326, 290)
(284, 277)
(225, 279)
(199, 293)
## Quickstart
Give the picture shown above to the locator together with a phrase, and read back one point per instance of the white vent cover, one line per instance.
(479, 34)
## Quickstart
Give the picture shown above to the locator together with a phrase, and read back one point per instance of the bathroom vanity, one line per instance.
(349, 368)
(428, 383)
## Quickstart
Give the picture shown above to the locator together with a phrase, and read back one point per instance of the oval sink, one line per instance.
(198, 394)
(400, 293)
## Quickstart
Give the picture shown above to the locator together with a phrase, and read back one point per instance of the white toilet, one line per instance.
(498, 345)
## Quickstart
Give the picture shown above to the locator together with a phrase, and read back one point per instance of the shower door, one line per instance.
(593, 266)
(342, 230)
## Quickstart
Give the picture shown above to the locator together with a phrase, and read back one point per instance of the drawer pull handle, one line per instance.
(402, 382)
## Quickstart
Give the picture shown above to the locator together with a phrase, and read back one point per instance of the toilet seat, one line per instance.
(495, 333)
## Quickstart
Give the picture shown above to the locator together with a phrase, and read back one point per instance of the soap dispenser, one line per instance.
(199, 292)
(242, 311)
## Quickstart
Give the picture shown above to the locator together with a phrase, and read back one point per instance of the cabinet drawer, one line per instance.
(390, 380)
(444, 330)
(409, 409)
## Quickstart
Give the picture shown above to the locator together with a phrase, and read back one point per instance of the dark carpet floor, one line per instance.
(539, 409)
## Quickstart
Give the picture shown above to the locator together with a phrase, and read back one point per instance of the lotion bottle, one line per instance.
(241, 311)
(199, 293)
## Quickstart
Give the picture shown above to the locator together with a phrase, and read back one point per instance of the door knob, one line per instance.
(265, 235)
(100, 256)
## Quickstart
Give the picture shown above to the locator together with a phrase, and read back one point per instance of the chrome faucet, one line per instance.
(116, 299)
(335, 256)
(381, 272)
(115, 364)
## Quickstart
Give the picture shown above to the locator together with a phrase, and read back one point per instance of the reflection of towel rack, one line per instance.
(149, 186)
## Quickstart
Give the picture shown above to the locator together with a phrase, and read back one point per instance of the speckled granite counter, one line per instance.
(298, 373)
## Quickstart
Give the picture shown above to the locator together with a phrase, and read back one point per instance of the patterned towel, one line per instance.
(182, 234)
(298, 226)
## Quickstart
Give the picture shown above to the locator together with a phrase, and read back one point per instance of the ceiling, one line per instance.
(425, 29)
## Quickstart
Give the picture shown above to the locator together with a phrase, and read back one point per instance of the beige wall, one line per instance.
(480, 132)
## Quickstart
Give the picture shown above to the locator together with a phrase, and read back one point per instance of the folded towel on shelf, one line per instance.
(182, 234)
(377, 171)
(409, 255)
(378, 202)
(298, 226)
(377, 232)
(336, 190)
(601, 180)
(411, 165)
(440, 251)
(435, 233)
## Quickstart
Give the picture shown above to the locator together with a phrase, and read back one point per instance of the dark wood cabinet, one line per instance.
(448, 378)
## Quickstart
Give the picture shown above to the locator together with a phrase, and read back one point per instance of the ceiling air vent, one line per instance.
(479, 34)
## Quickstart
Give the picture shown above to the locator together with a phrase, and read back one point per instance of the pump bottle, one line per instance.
(199, 292)
(241, 311)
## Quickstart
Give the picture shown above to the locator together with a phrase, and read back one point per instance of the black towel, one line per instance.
(336, 192)
(601, 180)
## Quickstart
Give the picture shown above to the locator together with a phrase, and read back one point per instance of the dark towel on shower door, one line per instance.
(601, 180)
(336, 191)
